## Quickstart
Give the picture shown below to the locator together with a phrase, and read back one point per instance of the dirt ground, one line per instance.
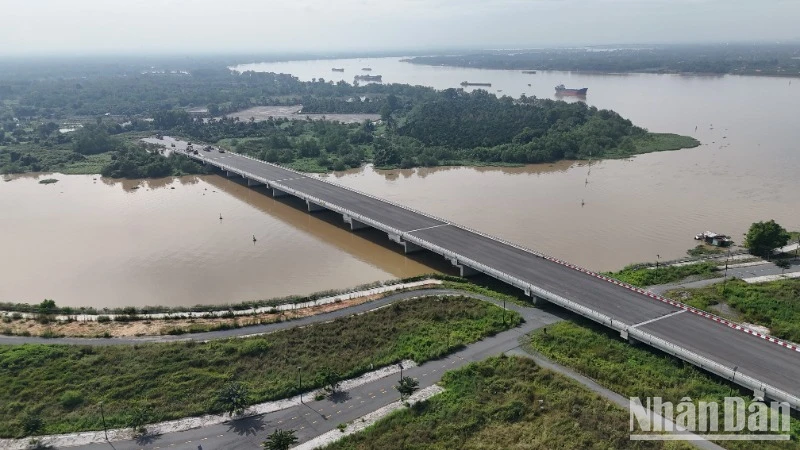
(155, 327)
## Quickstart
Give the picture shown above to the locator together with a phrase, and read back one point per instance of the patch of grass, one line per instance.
(182, 379)
(504, 403)
(660, 142)
(644, 276)
(703, 249)
(48, 181)
(775, 305)
(598, 353)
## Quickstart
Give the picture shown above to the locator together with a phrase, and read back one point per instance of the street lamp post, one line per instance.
(103, 416)
(658, 259)
(725, 278)
(300, 382)
(504, 311)
(401, 370)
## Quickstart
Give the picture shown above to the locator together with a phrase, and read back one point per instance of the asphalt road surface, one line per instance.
(765, 361)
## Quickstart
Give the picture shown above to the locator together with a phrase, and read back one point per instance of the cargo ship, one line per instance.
(467, 83)
(560, 89)
(377, 78)
(366, 69)
(529, 72)
(337, 70)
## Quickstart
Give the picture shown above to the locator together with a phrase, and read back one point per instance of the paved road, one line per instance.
(245, 331)
(627, 308)
(317, 417)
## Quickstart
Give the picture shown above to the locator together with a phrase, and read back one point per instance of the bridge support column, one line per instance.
(354, 224)
(254, 182)
(278, 193)
(313, 207)
(408, 247)
(231, 174)
(536, 301)
(464, 271)
(624, 335)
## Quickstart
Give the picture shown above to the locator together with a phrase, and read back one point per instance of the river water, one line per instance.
(96, 242)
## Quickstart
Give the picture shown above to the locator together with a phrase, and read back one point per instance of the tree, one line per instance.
(783, 264)
(31, 423)
(331, 380)
(138, 418)
(763, 237)
(280, 440)
(406, 387)
(233, 398)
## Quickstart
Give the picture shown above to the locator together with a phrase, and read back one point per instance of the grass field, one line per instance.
(504, 403)
(775, 305)
(638, 371)
(643, 276)
(64, 384)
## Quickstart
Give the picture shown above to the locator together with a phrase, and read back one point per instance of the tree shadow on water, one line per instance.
(247, 426)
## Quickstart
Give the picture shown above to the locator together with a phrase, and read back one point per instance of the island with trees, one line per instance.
(418, 126)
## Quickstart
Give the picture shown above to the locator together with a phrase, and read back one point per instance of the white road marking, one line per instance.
(659, 318)
(428, 228)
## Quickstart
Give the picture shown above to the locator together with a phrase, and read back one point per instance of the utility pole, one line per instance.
(401, 370)
(300, 382)
(725, 279)
(103, 416)
(504, 311)
(658, 259)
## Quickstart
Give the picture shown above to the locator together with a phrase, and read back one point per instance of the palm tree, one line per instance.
(407, 387)
(280, 440)
(233, 398)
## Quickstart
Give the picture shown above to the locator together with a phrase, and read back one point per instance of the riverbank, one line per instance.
(182, 379)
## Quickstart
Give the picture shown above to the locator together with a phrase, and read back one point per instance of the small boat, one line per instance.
(530, 72)
(467, 83)
(367, 69)
(337, 70)
(561, 90)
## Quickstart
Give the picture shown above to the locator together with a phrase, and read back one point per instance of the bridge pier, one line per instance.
(464, 271)
(231, 174)
(536, 301)
(278, 193)
(254, 183)
(624, 335)
(354, 224)
(408, 247)
(313, 207)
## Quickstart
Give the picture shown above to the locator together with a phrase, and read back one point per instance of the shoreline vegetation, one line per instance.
(418, 126)
(777, 60)
(62, 385)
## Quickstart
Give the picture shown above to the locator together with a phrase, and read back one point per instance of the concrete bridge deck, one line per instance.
(768, 366)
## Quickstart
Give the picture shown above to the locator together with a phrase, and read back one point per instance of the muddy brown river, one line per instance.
(100, 243)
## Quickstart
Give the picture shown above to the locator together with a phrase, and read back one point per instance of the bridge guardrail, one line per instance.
(637, 334)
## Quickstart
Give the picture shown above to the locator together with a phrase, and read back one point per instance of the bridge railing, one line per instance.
(637, 334)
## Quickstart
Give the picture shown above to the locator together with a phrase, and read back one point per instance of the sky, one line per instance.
(76, 27)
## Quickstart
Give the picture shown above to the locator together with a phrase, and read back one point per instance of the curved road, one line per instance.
(256, 329)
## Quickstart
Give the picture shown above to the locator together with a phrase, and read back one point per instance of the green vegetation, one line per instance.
(280, 440)
(598, 353)
(638, 275)
(184, 379)
(419, 126)
(775, 305)
(763, 237)
(702, 250)
(134, 162)
(48, 181)
(503, 403)
(740, 59)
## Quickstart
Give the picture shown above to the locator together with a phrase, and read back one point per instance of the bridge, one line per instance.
(764, 364)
